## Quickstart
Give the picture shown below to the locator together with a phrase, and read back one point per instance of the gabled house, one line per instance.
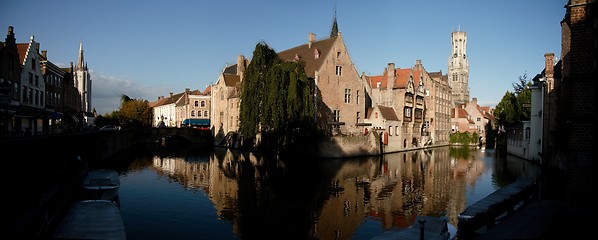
(340, 93)
(164, 110)
(461, 121)
(404, 91)
(193, 109)
(226, 100)
(10, 80)
(482, 117)
(33, 89)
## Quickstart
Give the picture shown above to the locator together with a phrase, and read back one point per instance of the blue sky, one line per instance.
(146, 49)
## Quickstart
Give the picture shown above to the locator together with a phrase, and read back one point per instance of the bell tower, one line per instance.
(458, 68)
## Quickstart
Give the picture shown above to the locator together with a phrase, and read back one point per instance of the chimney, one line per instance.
(418, 64)
(475, 100)
(44, 54)
(549, 73)
(391, 76)
(170, 94)
(187, 90)
(240, 66)
(312, 39)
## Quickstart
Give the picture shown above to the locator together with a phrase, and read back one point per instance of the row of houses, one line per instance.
(410, 107)
(36, 96)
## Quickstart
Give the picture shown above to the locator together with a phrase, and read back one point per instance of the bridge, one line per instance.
(194, 135)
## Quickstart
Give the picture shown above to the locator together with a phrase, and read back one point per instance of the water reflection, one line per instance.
(336, 198)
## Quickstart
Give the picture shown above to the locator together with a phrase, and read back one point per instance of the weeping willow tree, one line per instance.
(276, 98)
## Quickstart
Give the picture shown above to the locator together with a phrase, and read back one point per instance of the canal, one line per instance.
(197, 193)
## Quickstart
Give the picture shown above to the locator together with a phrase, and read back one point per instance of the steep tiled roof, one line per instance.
(22, 47)
(373, 81)
(208, 90)
(157, 103)
(231, 69)
(305, 55)
(388, 113)
(435, 74)
(231, 80)
(174, 98)
(461, 113)
(402, 77)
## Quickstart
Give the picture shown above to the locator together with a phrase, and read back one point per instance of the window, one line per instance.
(376, 115)
(337, 115)
(202, 104)
(33, 63)
(195, 103)
(339, 70)
(407, 112)
(192, 113)
(31, 78)
(357, 98)
(338, 55)
(478, 119)
(36, 80)
(347, 95)
(357, 120)
(454, 77)
(205, 113)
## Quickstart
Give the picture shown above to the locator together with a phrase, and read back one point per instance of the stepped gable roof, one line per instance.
(402, 77)
(305, 55)
(388, 113)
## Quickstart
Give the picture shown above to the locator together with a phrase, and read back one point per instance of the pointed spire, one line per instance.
(334, 31)
(80, 61)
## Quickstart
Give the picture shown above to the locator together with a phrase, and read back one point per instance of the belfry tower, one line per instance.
(458, 68)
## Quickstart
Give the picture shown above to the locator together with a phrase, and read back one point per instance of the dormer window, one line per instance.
(316, 54)
(296, 58)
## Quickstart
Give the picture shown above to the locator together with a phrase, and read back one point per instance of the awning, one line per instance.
(55, 115)
(197, 122)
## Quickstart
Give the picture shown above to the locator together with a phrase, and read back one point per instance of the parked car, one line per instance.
(109, 128)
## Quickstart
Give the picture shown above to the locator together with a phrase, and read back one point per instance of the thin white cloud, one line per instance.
(107, 91)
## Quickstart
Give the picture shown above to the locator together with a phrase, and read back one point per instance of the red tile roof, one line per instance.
(22, 47)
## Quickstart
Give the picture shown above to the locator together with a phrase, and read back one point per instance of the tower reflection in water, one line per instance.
(301, 198)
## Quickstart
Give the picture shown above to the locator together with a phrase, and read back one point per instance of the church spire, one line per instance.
(334, 31)
(80, 61)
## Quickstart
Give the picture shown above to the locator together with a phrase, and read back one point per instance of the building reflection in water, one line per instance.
(331, 198)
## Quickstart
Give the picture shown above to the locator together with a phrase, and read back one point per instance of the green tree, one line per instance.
(285, 112)
(514, 107)
(505, 110)
(134, 113)
(253, 90)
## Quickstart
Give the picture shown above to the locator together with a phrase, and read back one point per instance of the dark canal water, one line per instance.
(224, 194)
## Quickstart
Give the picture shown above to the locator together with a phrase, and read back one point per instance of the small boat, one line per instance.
(92, 219)
(101, 184)
(424, 227)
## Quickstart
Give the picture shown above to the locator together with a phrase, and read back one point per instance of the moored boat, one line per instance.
(101, 184)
